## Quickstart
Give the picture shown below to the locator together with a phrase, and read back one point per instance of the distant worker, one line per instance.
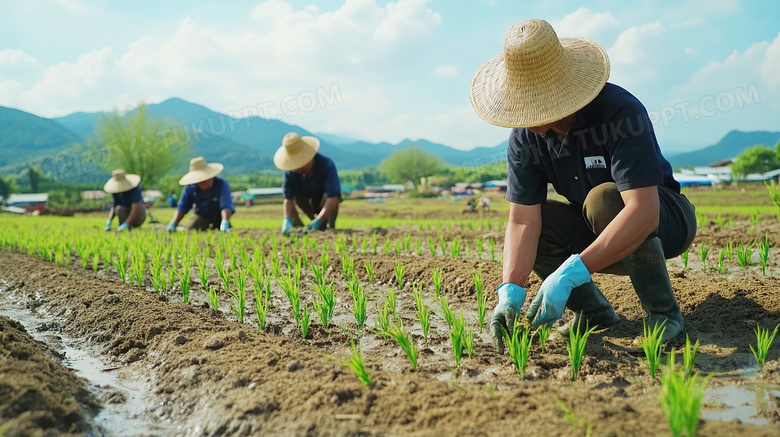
(172, 199)
(210, 195)
(472, 203)
(484, 203)
(128, 201)
(310, 181)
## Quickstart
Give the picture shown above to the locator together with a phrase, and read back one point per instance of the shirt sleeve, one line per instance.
(135, 195)
(635, 158)
(225, 201)
(525, 183)
(288, 189)
(115, 198)
(332, 184)
(186, 200)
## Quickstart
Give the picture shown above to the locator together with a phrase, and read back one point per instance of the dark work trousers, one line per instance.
(312, 207)
(200, 223)
(123, 211)
(569, 229)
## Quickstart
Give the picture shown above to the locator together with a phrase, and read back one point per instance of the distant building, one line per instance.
(97, 195)
(29, 202)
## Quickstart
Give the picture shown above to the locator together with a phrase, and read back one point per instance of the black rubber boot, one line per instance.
(590, 308)
(647, 269)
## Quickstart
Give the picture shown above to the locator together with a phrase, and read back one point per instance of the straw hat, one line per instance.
(121, 182)
(539, 78)
(200, 171)
(296, 151)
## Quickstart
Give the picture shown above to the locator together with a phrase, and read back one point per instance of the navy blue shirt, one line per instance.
(128, 198)
(323, 180)
(209, 205)
(611, 140)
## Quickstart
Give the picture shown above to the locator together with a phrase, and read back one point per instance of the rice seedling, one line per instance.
(239, 294)
(652, 344)
(326, 302)
(729, 250)
(203, 272)
(680, 396)
(704, 249)
(354, 244)
(347, 266)
(382, 323)
(406, 342)
(386, 246)
(390, 299)
(543, 332)
(224, 275)
(468, 340)
(364, 246)
(423, 311)
(442, 245)
(211, 293)
(397, 247)
(437, 275)
(138, 269)
(457, 333)
(480, 247)
(689, 355)
(763, 343)
(355, 363)
(763, 252)
(455, 248)
(318, 274)
(119, 264)
(468, 251)
(276, 267)
(576, 347)
(374, 241)
(721, 267)
(684, 257)
(159, 280)
(360, 301)
(184, 281)
(324, 262)
(492, 249)
(519, 347)
(261, 305)
(293, 293)
(417, 247)
(369, 266)
(305, 320)
(399, 275)
(446, 311)
(481, 300)
(744, 254)
(431, 246)
(95, 263)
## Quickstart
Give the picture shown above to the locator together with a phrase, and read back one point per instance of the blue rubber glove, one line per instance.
(171, 227)
(550, 301)
(510, 300)
(224, 226)
(123, 227)
(108, 225)
(314, 225)
(286, 226)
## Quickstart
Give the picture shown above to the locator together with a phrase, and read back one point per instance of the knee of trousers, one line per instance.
(602, 204)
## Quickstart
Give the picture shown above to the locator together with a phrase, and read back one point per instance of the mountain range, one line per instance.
(248, 144)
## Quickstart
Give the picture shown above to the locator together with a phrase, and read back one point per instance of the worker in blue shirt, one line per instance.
(208, 193)
(128, 203)
(594, 142)
(310, 182)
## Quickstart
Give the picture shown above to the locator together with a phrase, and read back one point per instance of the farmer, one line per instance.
(310, 182)
(209, 193)
(593, 141)
(128, 201)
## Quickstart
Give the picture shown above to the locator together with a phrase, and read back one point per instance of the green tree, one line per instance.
(138, 144)
(34, 176)
(411, 164)
(7, 187)
(756, 159)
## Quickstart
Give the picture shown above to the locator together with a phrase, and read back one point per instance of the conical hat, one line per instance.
(296, 151)
(200, 171)
(539, 78)
(121, 182)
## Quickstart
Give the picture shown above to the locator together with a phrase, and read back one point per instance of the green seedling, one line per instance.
(293, 293)
(184, 282)
(391, 300)
(480, 247)
(406, 342)
(364, 245)
(431, 246)
(276, 267)
(492, 249)
(95, 263)
(468, 340)
(763, 252)
(652, 344)
(689, 355)
(437, 276)
(442, 245)
(318, 274)
(418, 247)
(680, 396)
(261, 305)
(211, 292)
(369, 267)
(519, 347)
(744, 254)
(386, 246)
(684, 257)
(457, 335)
(347, 267)
(356, 364)
(576, 346)
(138, 269)
(224, 275)
(423, 311)
(359, 301)
(763, 343)
(543, 332)
(721, 268)
(327, 301)
(397, 247)
(481, 300)
(704, 250)
(382, 323)
(324, 262)
(239, 294)
(399, 275)
(446, 311)
(455, 248)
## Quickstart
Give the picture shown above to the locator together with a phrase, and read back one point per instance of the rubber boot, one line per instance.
(647, 269)
(590, 308)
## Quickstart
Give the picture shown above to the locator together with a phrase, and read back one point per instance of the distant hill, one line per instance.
(24, 136)
(730, 146)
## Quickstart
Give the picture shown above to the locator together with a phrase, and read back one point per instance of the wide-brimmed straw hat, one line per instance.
(539, 78)
(200, 171)
(121, 182)
(296, 151)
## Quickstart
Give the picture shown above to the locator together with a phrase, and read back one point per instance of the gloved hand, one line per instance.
(286, 226)
(548, 305)
(224, 226)
(171, 227)
(510, 300)
(313, 225)
(123, 227)
(108, 225)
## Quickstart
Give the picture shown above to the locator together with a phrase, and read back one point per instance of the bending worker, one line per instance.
(210, 195)
(593, 141)
(128, 201)
(310, 182)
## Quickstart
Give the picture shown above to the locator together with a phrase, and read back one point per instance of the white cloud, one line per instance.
(587, 24)
(73, 6)
(445, 71)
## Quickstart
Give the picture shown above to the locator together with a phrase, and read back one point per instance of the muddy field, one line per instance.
(206, 374)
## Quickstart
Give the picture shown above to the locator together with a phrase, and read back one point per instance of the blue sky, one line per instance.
(385, 71)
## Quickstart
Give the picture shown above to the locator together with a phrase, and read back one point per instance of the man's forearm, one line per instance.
(226, 214)
(330, 205)
(178, 216)
(135, 209)
(520, 244)
(289, 208)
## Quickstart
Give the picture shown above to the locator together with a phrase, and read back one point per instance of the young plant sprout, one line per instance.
(481, 300)
(446, 311)
(261, 305)
(763, 343)
(763, 252)
(369, 266)
(374, 240)
(721, 268)
(744, 254)
(327, 301)
(431, 246)
(293, 293)
(442, 245)
(239, 294)
(95, 263)
(138, 269)
(455, 248)
(437, 275)
(492, 249)
(324, 262)
(689, 355)
(386, 246)
(159, 280)
(418, 247)
(390, 299)
(652, 344)
(399, 275)
(456, 336)
(347, 266)
(364, 246)
(576, 347)
(382, 323)
(480, 247)
(360, 301)
(184, 282)
(356, 364)
(406, 342)
(423, 311)
(468, 340)
(519, 347)
(211, 292)
(680, 396)
(397, 247)
(224, 275)
(543, 332)
(684, 257)
(704, 249)
(276, 267)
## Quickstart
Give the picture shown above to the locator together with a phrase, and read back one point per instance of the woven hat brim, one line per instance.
(287, 162)
(114, 186)
(562, 93)
(197, 176)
